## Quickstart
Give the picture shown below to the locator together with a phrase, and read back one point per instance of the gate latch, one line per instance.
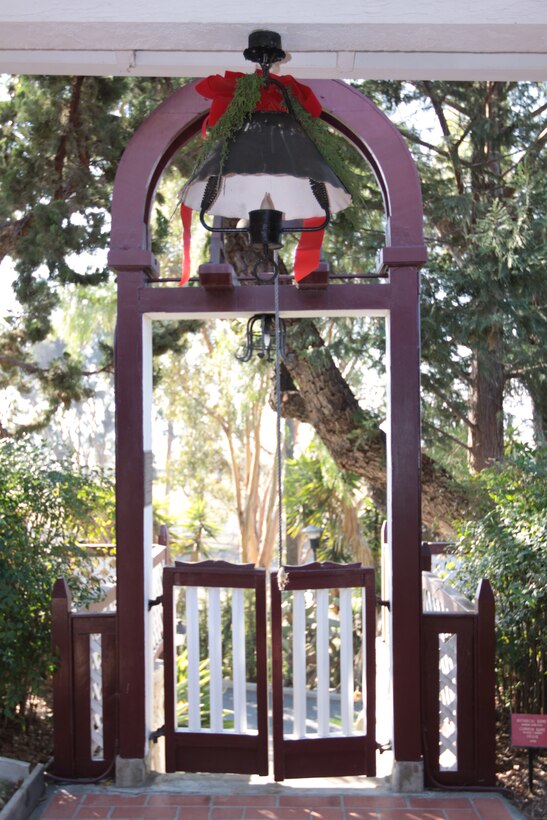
(155, 736)
(381, 602)
(384, 747)
(154, 602)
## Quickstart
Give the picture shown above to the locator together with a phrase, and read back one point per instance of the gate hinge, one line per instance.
(155, 736)
(381, 602)
(384, 747)
(154, 602)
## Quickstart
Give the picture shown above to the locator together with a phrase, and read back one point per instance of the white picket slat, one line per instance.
(346, 661)
(323, 697)
(299, 662)
(215, 658)
(192, 639)
(238, 661)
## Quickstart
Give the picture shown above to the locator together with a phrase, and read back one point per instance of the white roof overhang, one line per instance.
(377, 39)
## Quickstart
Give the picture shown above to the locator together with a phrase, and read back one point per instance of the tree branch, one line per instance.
(517, 374)
(27, 367)
(446, 435)
(418, 141)
(453, 152)
(451, 406)
(538, 111)
(73, 122)
(33, 369)
(10, 232)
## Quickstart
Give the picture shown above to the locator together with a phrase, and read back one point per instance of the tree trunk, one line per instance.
(291, 543)
(352, 436)
(538, 394)
(485, 399)
(485, 437)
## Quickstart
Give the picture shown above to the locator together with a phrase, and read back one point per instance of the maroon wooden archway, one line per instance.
(145, 159)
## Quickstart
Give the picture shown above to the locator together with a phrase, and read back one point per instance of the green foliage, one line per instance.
(508, 545)
(317, 492)
(480, 153)
(45, 508)
(61, 139)
(182, 690)
(199, 529)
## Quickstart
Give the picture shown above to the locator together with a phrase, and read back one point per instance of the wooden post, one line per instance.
(130, 503)
(404, 505)
(485, 684)
(369, 588)
(163, 540)
(63, 707)
(425, 554)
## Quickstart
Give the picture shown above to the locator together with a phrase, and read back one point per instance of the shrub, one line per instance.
(45, 507)
(508, 545)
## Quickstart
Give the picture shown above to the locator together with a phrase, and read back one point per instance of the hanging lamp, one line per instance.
(270, 172)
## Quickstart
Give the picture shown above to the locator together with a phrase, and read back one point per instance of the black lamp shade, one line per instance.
(271, 154)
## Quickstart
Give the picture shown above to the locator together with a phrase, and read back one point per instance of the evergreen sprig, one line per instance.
(331, 148)
(242, 107)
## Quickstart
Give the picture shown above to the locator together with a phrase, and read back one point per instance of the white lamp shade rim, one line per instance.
(241, 193)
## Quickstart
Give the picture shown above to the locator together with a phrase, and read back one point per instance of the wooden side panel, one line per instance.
(63, 709)
(327, 757)
(82, 626)
(476, 720)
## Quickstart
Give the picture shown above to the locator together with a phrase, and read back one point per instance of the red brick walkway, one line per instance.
(93, 803)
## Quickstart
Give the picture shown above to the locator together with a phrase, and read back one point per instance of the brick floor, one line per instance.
(96, 802)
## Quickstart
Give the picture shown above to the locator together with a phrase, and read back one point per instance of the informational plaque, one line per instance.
(529, 730)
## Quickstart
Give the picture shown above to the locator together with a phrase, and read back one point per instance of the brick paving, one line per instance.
(96, 802)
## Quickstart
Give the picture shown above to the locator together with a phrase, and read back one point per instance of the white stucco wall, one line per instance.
(469, 39)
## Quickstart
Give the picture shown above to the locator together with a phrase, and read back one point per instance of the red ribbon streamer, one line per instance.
(308, 251)
(186, 218)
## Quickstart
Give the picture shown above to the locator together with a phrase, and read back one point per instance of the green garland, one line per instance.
(244, 102)
(330, 146)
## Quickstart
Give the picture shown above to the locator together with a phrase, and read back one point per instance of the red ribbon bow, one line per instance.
(221, 91)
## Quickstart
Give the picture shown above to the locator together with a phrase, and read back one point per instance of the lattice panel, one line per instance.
(104, 568)
(448, 702)
(96, 696)
(445, 566)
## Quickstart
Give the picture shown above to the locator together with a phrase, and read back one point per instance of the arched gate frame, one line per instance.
(139, 303)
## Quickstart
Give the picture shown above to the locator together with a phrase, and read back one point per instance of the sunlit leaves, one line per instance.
(46, 507)
(508, 545)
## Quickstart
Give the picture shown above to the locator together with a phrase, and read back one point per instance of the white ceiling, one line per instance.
(389, 39)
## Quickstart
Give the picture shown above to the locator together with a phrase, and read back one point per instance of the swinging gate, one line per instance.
(322, 669)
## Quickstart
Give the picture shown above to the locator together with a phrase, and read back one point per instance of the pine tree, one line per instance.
(484, 290)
